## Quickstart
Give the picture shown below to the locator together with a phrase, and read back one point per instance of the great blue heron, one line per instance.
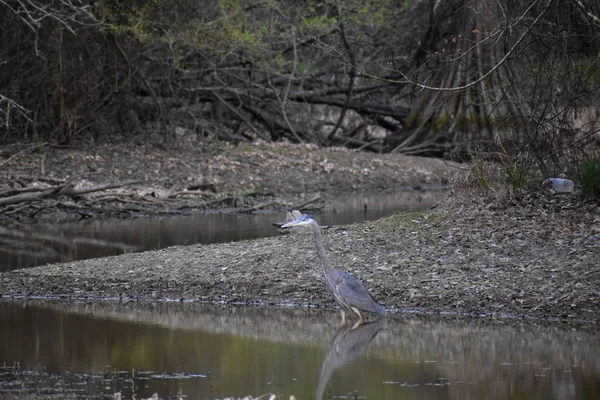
(348, 292)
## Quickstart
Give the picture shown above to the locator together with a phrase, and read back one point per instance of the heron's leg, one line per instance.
(360, 318)
(343, 316)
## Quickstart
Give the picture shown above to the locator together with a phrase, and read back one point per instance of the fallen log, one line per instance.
(65, 189)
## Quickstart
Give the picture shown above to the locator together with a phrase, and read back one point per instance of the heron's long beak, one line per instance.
(291, 223)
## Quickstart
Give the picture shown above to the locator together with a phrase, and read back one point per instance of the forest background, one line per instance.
(515, 81)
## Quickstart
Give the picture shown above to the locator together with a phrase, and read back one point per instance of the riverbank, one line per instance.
(148, 180)
(539, 259)
(530, 253)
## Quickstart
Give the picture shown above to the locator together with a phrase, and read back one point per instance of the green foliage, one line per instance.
(477, 171)
(412, 121)
(516, 173)
(513, 173)
(317, 24)
(137, 18)
(589, 176)
(243, 193)
(260, 32)
(372, 13)
(443, 121)
(244, 148)
(440, 123)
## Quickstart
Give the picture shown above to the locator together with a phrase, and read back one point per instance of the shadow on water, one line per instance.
(207, 352)
(40, 244)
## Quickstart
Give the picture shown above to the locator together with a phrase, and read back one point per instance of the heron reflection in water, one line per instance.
(347, 344)
(347, 291)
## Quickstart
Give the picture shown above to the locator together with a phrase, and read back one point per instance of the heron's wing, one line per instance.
(355, 293)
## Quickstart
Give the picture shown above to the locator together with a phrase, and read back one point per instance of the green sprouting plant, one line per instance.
(589, 176)
(242, 193)
(478, 172)
(516, 175)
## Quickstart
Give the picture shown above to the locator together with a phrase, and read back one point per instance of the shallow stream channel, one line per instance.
(188, 350)
(39, 244)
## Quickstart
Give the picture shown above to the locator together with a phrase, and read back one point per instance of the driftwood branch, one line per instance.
(70, 191)
(65, 189)
(21, 152)
(312, 201)
(22, 190)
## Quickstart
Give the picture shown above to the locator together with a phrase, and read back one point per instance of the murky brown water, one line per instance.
(45, 243)
(207, 352)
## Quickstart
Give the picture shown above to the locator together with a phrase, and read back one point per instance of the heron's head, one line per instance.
(303, 221)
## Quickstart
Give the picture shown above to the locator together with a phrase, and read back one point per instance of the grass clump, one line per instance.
(516, 175)
(480, 176)
(589, 177)
(486, 177)
(494, 179)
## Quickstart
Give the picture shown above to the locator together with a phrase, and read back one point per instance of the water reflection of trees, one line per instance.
(492, 359)
(26, 245)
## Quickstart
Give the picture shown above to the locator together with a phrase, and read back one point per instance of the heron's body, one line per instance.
(347, 291)
(355, 295)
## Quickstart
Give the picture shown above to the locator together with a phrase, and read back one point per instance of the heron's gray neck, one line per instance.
(320, 248)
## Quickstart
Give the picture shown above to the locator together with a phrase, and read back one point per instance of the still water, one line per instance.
(200, 351)
(40, 244)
